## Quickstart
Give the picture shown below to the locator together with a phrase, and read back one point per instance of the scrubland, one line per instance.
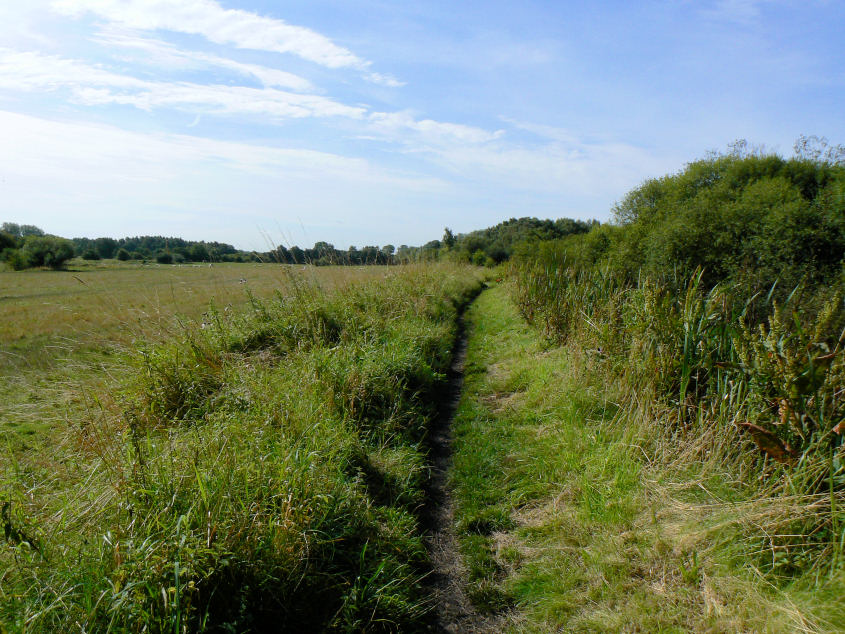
(667, 439)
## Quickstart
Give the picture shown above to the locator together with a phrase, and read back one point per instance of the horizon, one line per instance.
(357, 123)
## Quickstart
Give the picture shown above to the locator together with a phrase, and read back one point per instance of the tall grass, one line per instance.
(262, 471)
(745, 384)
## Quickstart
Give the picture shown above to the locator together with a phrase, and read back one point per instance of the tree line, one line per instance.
(27, 246)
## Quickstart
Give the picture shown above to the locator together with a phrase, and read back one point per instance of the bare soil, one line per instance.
(454, 611)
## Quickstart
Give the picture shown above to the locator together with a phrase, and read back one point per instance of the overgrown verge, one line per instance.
(265, 472)
(715, 307)
(580, 509)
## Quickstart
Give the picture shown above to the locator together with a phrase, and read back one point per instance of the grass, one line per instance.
(264, 471)
(570, 521)
(61, 332)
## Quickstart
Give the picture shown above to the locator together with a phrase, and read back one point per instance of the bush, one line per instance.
(7, 241)
(16, 259)
(47, 251)
(90, 254)
(164, 257)
(123, 255)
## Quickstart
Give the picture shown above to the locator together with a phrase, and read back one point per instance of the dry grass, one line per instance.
(108, 302)
(62, 332)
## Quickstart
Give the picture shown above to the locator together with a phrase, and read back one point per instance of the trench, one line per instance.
(453, 610)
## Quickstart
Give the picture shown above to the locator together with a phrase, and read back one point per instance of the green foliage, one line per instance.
(20, 231)
(164, 257)
(747, 220)
(500, 242)
(47, 251)
(718, 300)
(123, 255)
(7, 241)
(261, 471)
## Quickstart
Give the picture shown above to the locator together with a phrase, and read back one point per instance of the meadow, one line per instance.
(61, 330)
(260, 467)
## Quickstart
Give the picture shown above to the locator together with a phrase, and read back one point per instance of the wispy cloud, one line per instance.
(738, 11)
(161, 54)
(235, 27)
(95, 85)
(396, 126)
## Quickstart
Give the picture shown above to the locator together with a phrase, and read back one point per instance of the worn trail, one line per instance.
(454, 610)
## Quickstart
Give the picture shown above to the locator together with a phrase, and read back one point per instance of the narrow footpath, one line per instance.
(454, 610)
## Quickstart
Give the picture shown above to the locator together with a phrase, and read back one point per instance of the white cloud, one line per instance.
(163, 54)
(101, 152)
(209, 19)
(86, 179)
(94, 85)
(384, 80)
(396, 125)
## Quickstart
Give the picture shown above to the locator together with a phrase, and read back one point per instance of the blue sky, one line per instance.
(374, 122)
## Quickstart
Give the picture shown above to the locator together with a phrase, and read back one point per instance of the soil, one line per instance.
(454, 611)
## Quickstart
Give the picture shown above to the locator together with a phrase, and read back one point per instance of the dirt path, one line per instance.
(454, 610)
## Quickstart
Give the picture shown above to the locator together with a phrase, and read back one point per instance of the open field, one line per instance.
(91, 304)
(62, 333)
(266, 470)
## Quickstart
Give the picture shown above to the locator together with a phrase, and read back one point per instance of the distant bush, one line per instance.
(47, 251)
(7, 241)
(16, 259)
(164, 257)
(90, 254)
(123, 255)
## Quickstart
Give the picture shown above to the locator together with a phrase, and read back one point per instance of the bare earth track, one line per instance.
(454, 611)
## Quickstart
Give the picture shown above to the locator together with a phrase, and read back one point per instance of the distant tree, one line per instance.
(198, 253)
(369, 255)
(47, 251)
(297, 255)
(448, 238)
(105, 247)
(7, 240)
(21, 231)
(388, 250)
(123, 255)
(17, 259)
(90, 254)
(164, 257)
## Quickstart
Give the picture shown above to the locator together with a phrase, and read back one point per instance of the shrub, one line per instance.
(164, 257)
(47, 251)
(123, 255)
(16, 259)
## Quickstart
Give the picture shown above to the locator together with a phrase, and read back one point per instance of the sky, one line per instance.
(372, 122)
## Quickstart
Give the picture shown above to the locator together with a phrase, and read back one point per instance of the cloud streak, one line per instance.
(162, 54)
(233, 27)
(94, 85)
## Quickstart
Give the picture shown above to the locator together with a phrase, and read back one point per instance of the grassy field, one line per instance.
(567, 523)
(95, 303)
(61, 332)
(262, 471)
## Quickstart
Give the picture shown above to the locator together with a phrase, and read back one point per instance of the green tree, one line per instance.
(47, 251)
(21, 231)
(198, 253)
(123, 255)
(105, 247)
